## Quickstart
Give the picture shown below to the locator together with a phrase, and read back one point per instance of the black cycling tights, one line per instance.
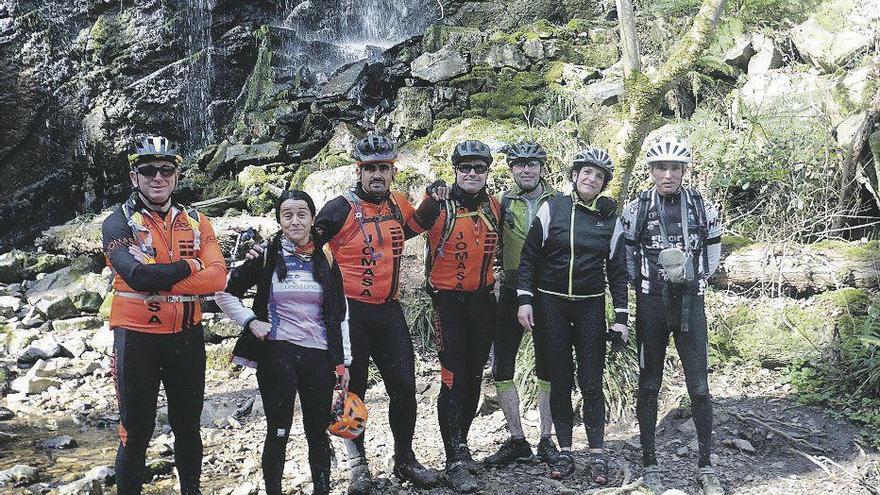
(464, 325)
(140, 361)
(561, 325)
(380, 331)
(652, 337)
(283, 370)
(508, 337)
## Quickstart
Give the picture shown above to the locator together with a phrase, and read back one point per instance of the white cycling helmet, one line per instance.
(669, 149)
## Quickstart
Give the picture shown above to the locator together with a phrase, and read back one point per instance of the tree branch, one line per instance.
(629, 43)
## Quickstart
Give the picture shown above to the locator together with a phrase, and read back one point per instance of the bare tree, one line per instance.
(644, 94)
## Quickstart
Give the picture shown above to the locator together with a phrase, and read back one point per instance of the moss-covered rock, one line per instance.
(438, 36)
(261, 186)
(835, 34)
(514, 95)
(776, 332)
(413, 115)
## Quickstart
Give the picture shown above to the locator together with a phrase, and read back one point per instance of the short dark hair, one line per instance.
(294, 194)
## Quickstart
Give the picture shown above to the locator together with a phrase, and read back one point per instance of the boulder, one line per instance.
(412, 114)
(78, 236)
(253, 154)
(33, 318)
(505, 55)
(33, 385)
(56, 306)
(11, 265)
(740, 53)
(739, 443)
(104, 474)
(834, 35)
(342, 142)
(103, 340)
(439, 66)
(60, 443)
(262, 185)
(216, 413)
(6, 414)
(847, 129)
(36, 263)
(324, 185)
(78, 368)
(798, 97)
(55, 293)
(9, 305)
(18, 339)
(44, 348)
(858, 84)
(222, 329)
(534, 49)
(77, 324)
(19, 475)
(463, 39)
(75, 346)
(767, 55)
(344, 82)
(89, 292)
(82, 487)
(606, 91)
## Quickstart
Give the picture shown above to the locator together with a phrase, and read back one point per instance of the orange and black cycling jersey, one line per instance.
(368, 249)
(464, 260)
(171, 241)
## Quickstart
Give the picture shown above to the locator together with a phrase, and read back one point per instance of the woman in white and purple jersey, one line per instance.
(296, 335)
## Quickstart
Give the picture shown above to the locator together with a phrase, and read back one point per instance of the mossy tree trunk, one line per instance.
(643, 94)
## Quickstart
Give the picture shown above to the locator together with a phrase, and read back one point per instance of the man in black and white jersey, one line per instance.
(669, 275)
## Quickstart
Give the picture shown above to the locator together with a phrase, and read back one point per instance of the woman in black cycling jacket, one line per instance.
(573, 246)
(296, 335)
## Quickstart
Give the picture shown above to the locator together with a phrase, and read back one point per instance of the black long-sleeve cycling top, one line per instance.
(571, 249)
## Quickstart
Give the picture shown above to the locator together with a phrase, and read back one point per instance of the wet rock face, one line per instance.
(507, 14)
(79, 79)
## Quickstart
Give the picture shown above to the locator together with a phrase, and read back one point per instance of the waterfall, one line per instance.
(198, 121)
(328, 34)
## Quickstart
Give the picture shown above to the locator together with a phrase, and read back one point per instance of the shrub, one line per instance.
(419, 313)
(848, 379)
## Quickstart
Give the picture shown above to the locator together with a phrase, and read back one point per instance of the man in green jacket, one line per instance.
(518, 208)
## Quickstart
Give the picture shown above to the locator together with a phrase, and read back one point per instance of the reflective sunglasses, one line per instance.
(372, 167)
(150, 170)
(466, 168)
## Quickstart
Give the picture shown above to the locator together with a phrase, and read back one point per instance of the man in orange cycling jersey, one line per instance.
(366, 228)
(462, 240)
(164, 256)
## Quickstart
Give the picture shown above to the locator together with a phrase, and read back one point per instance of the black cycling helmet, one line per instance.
(154, 147)
(525, 151)
(471, 149)
(374, 148)
(596, 157)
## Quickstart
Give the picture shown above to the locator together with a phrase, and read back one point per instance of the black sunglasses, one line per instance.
(372, 167)
(466, 168)
(150, 170)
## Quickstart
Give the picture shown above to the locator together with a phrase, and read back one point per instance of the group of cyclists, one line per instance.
(327, 300)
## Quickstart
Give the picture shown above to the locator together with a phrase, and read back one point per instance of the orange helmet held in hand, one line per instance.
(348, 416)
